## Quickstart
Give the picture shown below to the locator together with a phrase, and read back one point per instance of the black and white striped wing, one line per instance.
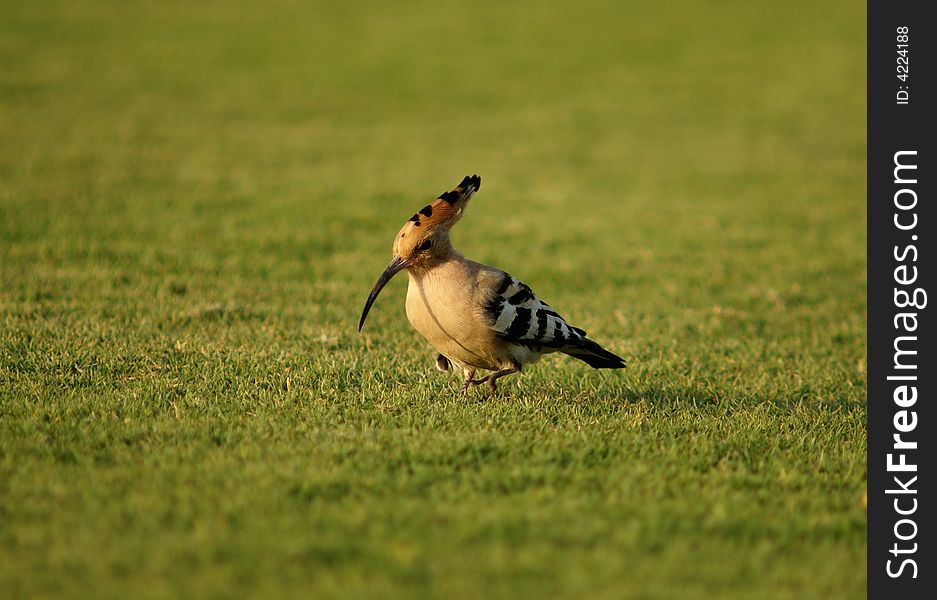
(517, 315)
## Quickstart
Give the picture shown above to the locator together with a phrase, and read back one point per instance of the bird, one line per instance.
(476, 316)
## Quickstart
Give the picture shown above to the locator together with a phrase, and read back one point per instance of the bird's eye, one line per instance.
(426, 245)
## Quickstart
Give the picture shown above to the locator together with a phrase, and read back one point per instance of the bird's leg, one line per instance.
(492, 378)
(469, 380)
(469, 374)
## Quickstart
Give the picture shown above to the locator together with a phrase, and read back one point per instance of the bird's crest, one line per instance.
(448, 207)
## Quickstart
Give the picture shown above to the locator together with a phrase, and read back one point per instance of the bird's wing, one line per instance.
(517, 315)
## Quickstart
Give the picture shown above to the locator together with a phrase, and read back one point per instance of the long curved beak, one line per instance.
(396, 265)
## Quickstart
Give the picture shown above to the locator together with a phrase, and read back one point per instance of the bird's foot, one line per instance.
(470, 382)
(492, 378)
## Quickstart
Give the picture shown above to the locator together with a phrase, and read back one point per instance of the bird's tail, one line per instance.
(595, 356)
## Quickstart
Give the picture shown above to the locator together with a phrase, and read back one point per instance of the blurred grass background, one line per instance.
(195, 199)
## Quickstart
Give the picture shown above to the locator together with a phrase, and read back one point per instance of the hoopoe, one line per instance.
(476, 316)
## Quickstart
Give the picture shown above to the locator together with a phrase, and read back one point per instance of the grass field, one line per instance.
(195, 199)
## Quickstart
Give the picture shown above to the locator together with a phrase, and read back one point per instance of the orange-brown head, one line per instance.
(424, 238)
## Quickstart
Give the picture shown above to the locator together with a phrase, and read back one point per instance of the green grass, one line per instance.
(195, 199)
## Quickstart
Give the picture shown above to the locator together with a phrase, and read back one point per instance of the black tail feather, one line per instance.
(595, 356)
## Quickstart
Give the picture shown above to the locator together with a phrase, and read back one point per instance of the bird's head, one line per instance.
(424, 238)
